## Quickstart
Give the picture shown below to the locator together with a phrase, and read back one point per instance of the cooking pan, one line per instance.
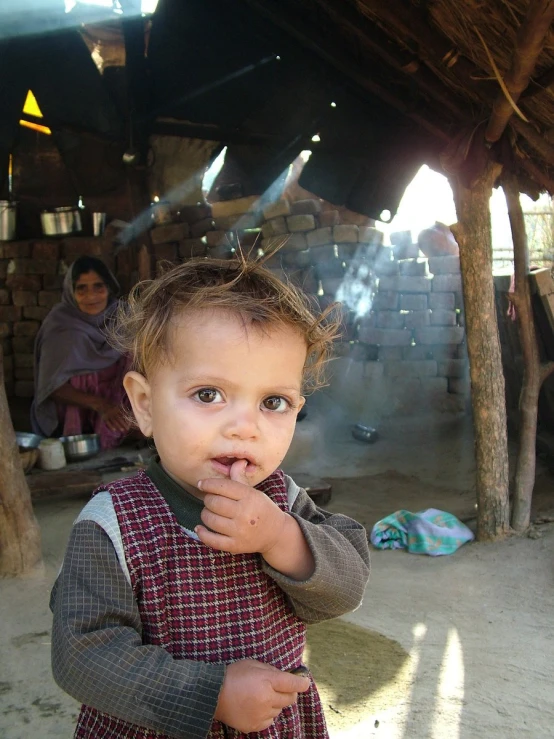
(60, 221)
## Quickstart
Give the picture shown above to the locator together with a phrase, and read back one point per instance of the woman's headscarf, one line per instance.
(69, 343)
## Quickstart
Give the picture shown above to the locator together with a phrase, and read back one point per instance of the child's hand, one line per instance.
(242, 519)
(254, 693)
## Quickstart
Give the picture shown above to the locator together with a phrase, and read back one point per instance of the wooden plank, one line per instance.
(56, 483)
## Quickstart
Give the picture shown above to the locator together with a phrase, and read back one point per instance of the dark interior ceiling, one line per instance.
(387, 85)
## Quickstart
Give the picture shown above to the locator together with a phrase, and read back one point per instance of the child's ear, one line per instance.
(138, 390)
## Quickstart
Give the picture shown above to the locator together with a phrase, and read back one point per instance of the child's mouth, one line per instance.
(223, 464)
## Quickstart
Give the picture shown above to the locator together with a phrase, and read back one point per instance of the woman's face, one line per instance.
(91, 293)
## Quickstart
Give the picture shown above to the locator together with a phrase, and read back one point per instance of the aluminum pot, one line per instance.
(80, 447)
(60, 221)
(7, 220)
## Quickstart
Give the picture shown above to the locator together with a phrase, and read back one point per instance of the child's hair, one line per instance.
(142, 326)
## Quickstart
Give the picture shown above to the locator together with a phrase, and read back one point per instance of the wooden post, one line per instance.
(473, 233)
(533, 373)
(20, 549)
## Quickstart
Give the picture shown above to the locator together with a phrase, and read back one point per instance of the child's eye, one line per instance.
(208, 395)
(276, 403)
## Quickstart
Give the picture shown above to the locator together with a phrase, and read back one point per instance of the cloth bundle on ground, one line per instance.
(431, 532)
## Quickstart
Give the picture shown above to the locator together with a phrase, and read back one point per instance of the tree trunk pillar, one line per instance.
(20, 547)
(473, 232)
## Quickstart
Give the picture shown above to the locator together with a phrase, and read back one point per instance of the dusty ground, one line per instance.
(455, 647)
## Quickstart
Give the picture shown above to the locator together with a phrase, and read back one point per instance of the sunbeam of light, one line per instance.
(450, 690)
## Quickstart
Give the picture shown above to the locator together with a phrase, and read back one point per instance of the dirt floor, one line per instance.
(455, 647)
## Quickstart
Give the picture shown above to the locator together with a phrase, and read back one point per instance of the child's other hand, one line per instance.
(254, 693)
(242, 519)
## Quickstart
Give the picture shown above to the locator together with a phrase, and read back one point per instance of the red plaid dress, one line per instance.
(205, 605)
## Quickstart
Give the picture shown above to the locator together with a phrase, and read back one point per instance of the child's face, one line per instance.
(228, 392)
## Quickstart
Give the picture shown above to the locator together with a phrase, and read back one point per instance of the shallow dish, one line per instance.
(80, 447)
(28, 440)
(365, 433)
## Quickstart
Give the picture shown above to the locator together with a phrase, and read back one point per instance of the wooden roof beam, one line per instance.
(529, 44)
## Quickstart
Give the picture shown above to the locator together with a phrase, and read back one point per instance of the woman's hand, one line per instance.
(114, 417)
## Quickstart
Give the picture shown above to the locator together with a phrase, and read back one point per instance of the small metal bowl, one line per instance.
(365, 433)
(80, 447)
(28, 440)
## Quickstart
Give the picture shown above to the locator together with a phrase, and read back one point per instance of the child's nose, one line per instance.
(242, 424)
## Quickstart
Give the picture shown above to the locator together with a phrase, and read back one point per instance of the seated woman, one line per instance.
(78, 375)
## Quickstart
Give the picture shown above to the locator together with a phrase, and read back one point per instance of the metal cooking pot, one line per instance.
(60, 221)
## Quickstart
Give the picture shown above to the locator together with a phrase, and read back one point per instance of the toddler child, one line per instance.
(182, 603)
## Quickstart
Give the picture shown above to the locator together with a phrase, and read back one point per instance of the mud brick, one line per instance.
(36, 313)
(49, 298)
(192, 248)
(417, 352)
(195, 213)
(331, 285)
(346, 252)
(454, 368)
(331, 268)
(386, 301)
(415, 368)
(367, 252)
(459, 385)
(459, 300)
(5, 329)
(296, 258)
(24, 282)
(416, 319)
(408, 251)
(23, 344)
(305, 207)
(4, 268)
(23, 360)
(24, 297)
(31, 267)
(461, 351)
(238, 223)
(441, 317)
(440, 335)
(346, 233)
(5, 297)
(45, 250)
(10, 313)
(386, 269)
(435, 387)
(9, 387)
(447, 284)
(370, 235)
(6, 344)
(413, 302)
(300, 223)
(24, 389)
(360, 352)
(25, 373)
(446, 301)
(444, 351)
(444, 265)
(323, 254)
(294, 242)
(385, 337)
(79, 246)
(276, 209)
(15, 250)
(390, 353)
(8, 366)
(26, 328)
(390, 319)
(401, 238)
(384, 253)
(273, 243)
(216, 238)
(328, 218)
(320, 237)
(413, 267)
(235, 207)
(274, 227)
(200, 228)
(406, 284)
(170, 233)
(368, 321)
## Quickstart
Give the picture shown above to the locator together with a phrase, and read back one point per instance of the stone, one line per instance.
(416, 319)
(385, 337)
(320, 237)
(346, 233)
(165, 251)
(49, 298)
(417, 352)
(300, 223)
(386, 269)
(24, 297)
(274, 227)
(26, 328)
(169, 233)
(195, 213)
(454, 368)
(413, 302)
(406, 368)
(459, 385)
(276, 209)
(413, 267)
(238, 223)
(405, 284)
(215, 238)
(200, 228)
(386, 301)
(440, 335)
(31, 267)
(292, 242)
(441, 317)
(444, 265)
(446, 301)
(405, 251)
(323, 254)
(390, 319)
(370, 235)
(45, 250)
(296, 258)
(447, 283)
(5, 297)
(235, 207)
(24, 282)
(189, 248)
(390, 353)
(81, 246)
(328, 218)
(15, 250)
(35, 313)
(330, 268)
(306, 207)
(52, 282)
(461, 351)
(5, 330)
